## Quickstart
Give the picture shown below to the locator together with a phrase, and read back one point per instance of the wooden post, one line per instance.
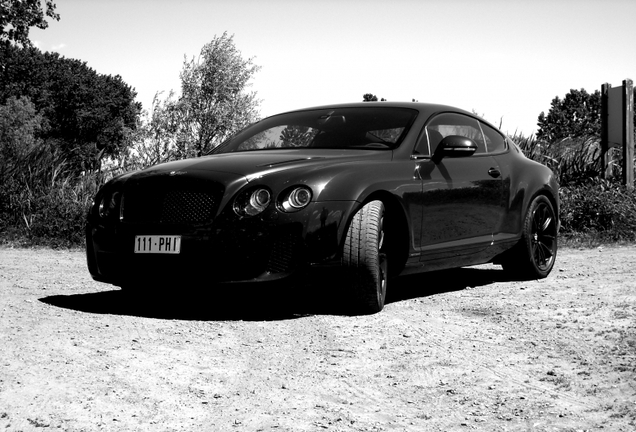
(628, 133)
(605, 159)
(617, 128)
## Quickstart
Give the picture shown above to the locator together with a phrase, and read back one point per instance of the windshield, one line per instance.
(379, 128)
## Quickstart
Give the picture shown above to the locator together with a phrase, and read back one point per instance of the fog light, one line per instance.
(108, 204)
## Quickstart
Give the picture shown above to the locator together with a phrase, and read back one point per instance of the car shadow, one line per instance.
(267, 302)
(241, 304)
(442, 281)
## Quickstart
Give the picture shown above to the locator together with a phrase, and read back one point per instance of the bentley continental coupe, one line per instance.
(370, 190)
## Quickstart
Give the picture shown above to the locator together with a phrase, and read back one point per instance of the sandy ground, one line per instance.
(452, 351)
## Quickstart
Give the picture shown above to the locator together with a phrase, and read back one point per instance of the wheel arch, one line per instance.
(551, 195)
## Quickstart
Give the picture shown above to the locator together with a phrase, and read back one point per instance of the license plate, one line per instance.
(158, 244)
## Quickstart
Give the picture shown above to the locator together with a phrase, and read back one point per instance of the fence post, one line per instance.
(605, 159)
(628, 133)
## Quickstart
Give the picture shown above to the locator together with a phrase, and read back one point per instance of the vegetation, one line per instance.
(59, 121)
(42, 199)
(593, 210)
(17, 17)
(370, 97)
(88, 117)
(596, 212)
(215, 102)
(578, 114)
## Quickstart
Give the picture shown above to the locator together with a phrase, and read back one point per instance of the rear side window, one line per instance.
(447, 124)
(494, 141)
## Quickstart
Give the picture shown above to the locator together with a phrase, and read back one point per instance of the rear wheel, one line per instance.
(365, 255)
(533, 257)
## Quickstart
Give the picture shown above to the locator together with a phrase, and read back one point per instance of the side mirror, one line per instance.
(455, 146)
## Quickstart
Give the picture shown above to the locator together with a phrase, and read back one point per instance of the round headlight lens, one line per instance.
(253, 203)
(260, 199)
(296, 199)
(299, 197)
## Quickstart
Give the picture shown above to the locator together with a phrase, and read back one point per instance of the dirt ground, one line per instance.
(452, 351)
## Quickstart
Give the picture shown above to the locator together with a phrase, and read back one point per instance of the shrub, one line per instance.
(42, 201)
(50, 215)
(597, 211)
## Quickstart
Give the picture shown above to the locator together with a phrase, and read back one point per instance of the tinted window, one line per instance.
(444, 125)
(494, 141)
(333, 128)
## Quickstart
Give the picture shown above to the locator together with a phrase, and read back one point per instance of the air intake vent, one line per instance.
(284, 254)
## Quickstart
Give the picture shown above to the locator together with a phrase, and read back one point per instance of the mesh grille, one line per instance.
(186, 207)
(283, 255)
(152, 202)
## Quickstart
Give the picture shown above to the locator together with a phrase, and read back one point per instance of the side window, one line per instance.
(444, 125)
(494, 141)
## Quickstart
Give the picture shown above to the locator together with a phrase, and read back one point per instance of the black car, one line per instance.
(372, 189)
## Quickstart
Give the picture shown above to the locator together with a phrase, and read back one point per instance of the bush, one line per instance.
(42, 202)
(51, 215)
(598, 211)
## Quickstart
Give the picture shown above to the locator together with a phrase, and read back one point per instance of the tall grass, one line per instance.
(42, 202)
(572, 160)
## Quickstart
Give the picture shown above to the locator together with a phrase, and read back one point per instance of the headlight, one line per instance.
(252, 203)
(109, 204)
(296, 199)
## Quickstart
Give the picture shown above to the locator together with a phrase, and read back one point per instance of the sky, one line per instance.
(503, 59)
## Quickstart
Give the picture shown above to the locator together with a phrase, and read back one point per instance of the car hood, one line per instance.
(256, 164)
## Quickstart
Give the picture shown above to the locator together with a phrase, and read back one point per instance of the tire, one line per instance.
(365, 257)
(534, 256)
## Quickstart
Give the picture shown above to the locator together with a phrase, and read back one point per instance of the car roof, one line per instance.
(426, 109)
(420, 106)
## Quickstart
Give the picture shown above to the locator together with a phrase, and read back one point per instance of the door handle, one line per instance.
(494, 172)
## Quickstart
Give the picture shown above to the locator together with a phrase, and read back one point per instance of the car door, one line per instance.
(462, 197)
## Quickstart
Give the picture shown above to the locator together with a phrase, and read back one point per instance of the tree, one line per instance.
(369, 97)
(20, 126)
(89, 116)
(214, 101)
(155, 140)
(578, 114)
(18, 16)
(297, 136)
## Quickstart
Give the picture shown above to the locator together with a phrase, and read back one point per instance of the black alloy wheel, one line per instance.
(534, 256)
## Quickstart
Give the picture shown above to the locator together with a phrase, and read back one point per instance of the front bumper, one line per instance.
(231, 249)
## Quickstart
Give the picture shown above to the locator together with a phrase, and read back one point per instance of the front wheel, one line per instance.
(533, 257)
(364, 254)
